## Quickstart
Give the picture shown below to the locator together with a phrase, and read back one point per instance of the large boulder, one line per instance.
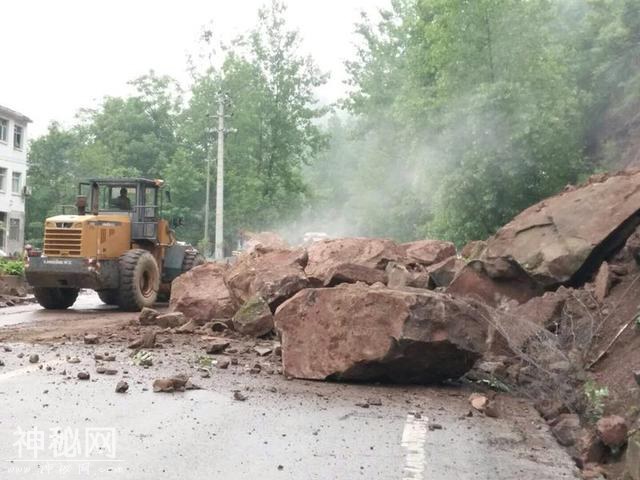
(428, 252)
(494, 282)
(273, 275)
(400, 276)
(563, 239)
(443, 273)
(358, 333)
(325, 255)
(352, 273)
(254, 318)
(202, 295)
(473, 250)
(544, 311)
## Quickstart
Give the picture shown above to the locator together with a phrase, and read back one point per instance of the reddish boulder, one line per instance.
(171, 320)
(177, 383)
(352, 273)
(190, 327)
(443, 273)
(493, 282)
(565, 238)
(544, 311)
(202, 295)
(400, 276)
(473, 250)
(273, 275)
(428, 252)
(587, 449)
(479, 401)
(216, 345)
(148, 316)
(612, 430)
(354, 332)
(368, 252)
(254, 318)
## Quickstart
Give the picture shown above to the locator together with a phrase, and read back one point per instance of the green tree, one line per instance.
(270, 90)
(138, 132)
(480, 107)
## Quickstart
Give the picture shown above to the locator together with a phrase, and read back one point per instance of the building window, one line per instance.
(16, 182)
(17, 137)
(14, 229)
(3, 179)
(4, 130)
(3, 219)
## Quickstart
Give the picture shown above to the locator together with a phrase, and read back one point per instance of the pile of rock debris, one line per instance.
(349, 309)
(528, 309)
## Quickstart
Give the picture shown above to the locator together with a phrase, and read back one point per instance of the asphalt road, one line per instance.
(55, 426)
(30, 313)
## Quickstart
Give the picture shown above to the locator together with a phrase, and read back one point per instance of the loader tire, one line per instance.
(192, 259)
(109, 297)
(54, 298)
(139, 280)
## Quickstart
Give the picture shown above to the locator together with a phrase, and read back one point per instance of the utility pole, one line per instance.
(219, 251)
(207, 243)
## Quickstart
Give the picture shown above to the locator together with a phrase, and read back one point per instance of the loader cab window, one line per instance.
(117, 198)
(149, 202)
(150, 196)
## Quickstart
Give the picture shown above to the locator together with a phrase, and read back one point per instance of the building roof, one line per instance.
(132, 181)
(13, 114)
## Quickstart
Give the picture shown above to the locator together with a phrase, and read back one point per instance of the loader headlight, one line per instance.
(93, 264)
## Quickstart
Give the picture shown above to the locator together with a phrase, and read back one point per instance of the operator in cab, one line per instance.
(122, 202)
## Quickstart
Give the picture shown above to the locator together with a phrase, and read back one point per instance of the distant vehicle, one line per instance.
(311, 237)
(118, 245)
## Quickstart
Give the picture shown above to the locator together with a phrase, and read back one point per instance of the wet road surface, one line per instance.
(87, 304)
(286, 429)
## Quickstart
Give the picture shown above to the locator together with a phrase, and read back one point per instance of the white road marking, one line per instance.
(414, 437)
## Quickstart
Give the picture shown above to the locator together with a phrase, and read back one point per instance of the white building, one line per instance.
(13, 172)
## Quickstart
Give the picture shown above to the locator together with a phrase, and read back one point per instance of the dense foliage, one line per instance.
(460, 113)
(468, 112)
(11, 267)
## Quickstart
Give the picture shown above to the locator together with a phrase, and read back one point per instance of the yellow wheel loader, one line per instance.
(115, 243)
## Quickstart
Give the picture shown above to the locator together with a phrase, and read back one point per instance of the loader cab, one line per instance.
(137, 198)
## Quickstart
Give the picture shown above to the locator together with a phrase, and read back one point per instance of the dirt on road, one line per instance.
(245, 419)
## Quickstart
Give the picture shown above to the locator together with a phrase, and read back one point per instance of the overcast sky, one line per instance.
(61, 55)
